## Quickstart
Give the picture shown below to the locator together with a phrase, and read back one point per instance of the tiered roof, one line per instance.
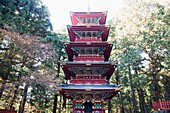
(91, 18)
(88, 49)
(104, 69)
(88, 67)
(90, 31)
(106, 91)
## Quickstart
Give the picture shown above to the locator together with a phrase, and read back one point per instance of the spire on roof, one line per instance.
(88, 6)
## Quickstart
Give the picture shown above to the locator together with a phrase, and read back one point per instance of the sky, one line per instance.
(60, 9)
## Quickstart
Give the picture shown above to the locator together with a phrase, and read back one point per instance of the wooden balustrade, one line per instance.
(161, 105)
(81, 77)
(88, 81)
(7, 111)
(88, 39)
(89, 58)
(165, 104)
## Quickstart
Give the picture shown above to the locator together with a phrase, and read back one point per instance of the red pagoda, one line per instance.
(88, 67)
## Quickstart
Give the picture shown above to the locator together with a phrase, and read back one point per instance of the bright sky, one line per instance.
(60, 9)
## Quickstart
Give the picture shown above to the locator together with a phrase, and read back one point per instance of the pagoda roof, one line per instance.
(75, 15)
(104, 29)
(71, 45)
(105, 91)
(104, 69)
(89, 86)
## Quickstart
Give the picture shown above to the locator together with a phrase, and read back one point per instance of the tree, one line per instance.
(155, 43)
(58, 43)
(145, 26)
(26, 56)
(25, 16)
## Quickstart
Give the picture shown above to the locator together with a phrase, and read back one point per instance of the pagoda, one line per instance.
(88, 68)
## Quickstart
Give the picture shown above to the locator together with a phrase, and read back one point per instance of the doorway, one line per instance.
(88, 107)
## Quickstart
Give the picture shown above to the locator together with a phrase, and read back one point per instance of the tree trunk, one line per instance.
(117, 107)
(141, 97)
(154, 78)
(109, 106)
(58, 75)
(64, 102)
(121, 102)
(60, 105)
(4, 79)
(132, 91)
(2, 88)
(156, 86)
(166, 86)
(142, 101)
(119, 93)
(14, 97)
(23, 100)
(55, 103)
(130, 105)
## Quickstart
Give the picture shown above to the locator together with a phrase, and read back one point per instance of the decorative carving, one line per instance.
(78, 96)
(97, 97)
(88, 34)
(93, 51)
(86, 70)
(88, 97)
(92, 20)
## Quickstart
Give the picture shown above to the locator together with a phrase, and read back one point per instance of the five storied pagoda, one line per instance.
(88, 67)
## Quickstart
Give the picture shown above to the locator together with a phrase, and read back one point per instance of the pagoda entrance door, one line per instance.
(88, 107)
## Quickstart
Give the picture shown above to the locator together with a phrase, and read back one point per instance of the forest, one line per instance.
(30, 55)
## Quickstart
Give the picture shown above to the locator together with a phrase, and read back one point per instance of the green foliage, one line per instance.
(23, 55)
(25, 16)
(26, 61)
(145, 49)
(39, 97)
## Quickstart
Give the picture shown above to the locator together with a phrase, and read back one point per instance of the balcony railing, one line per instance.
(161, 105)
(88, 39)
(89, 58)
(7, 111)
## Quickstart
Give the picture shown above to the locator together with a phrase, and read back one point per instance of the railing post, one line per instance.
(160, 104)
